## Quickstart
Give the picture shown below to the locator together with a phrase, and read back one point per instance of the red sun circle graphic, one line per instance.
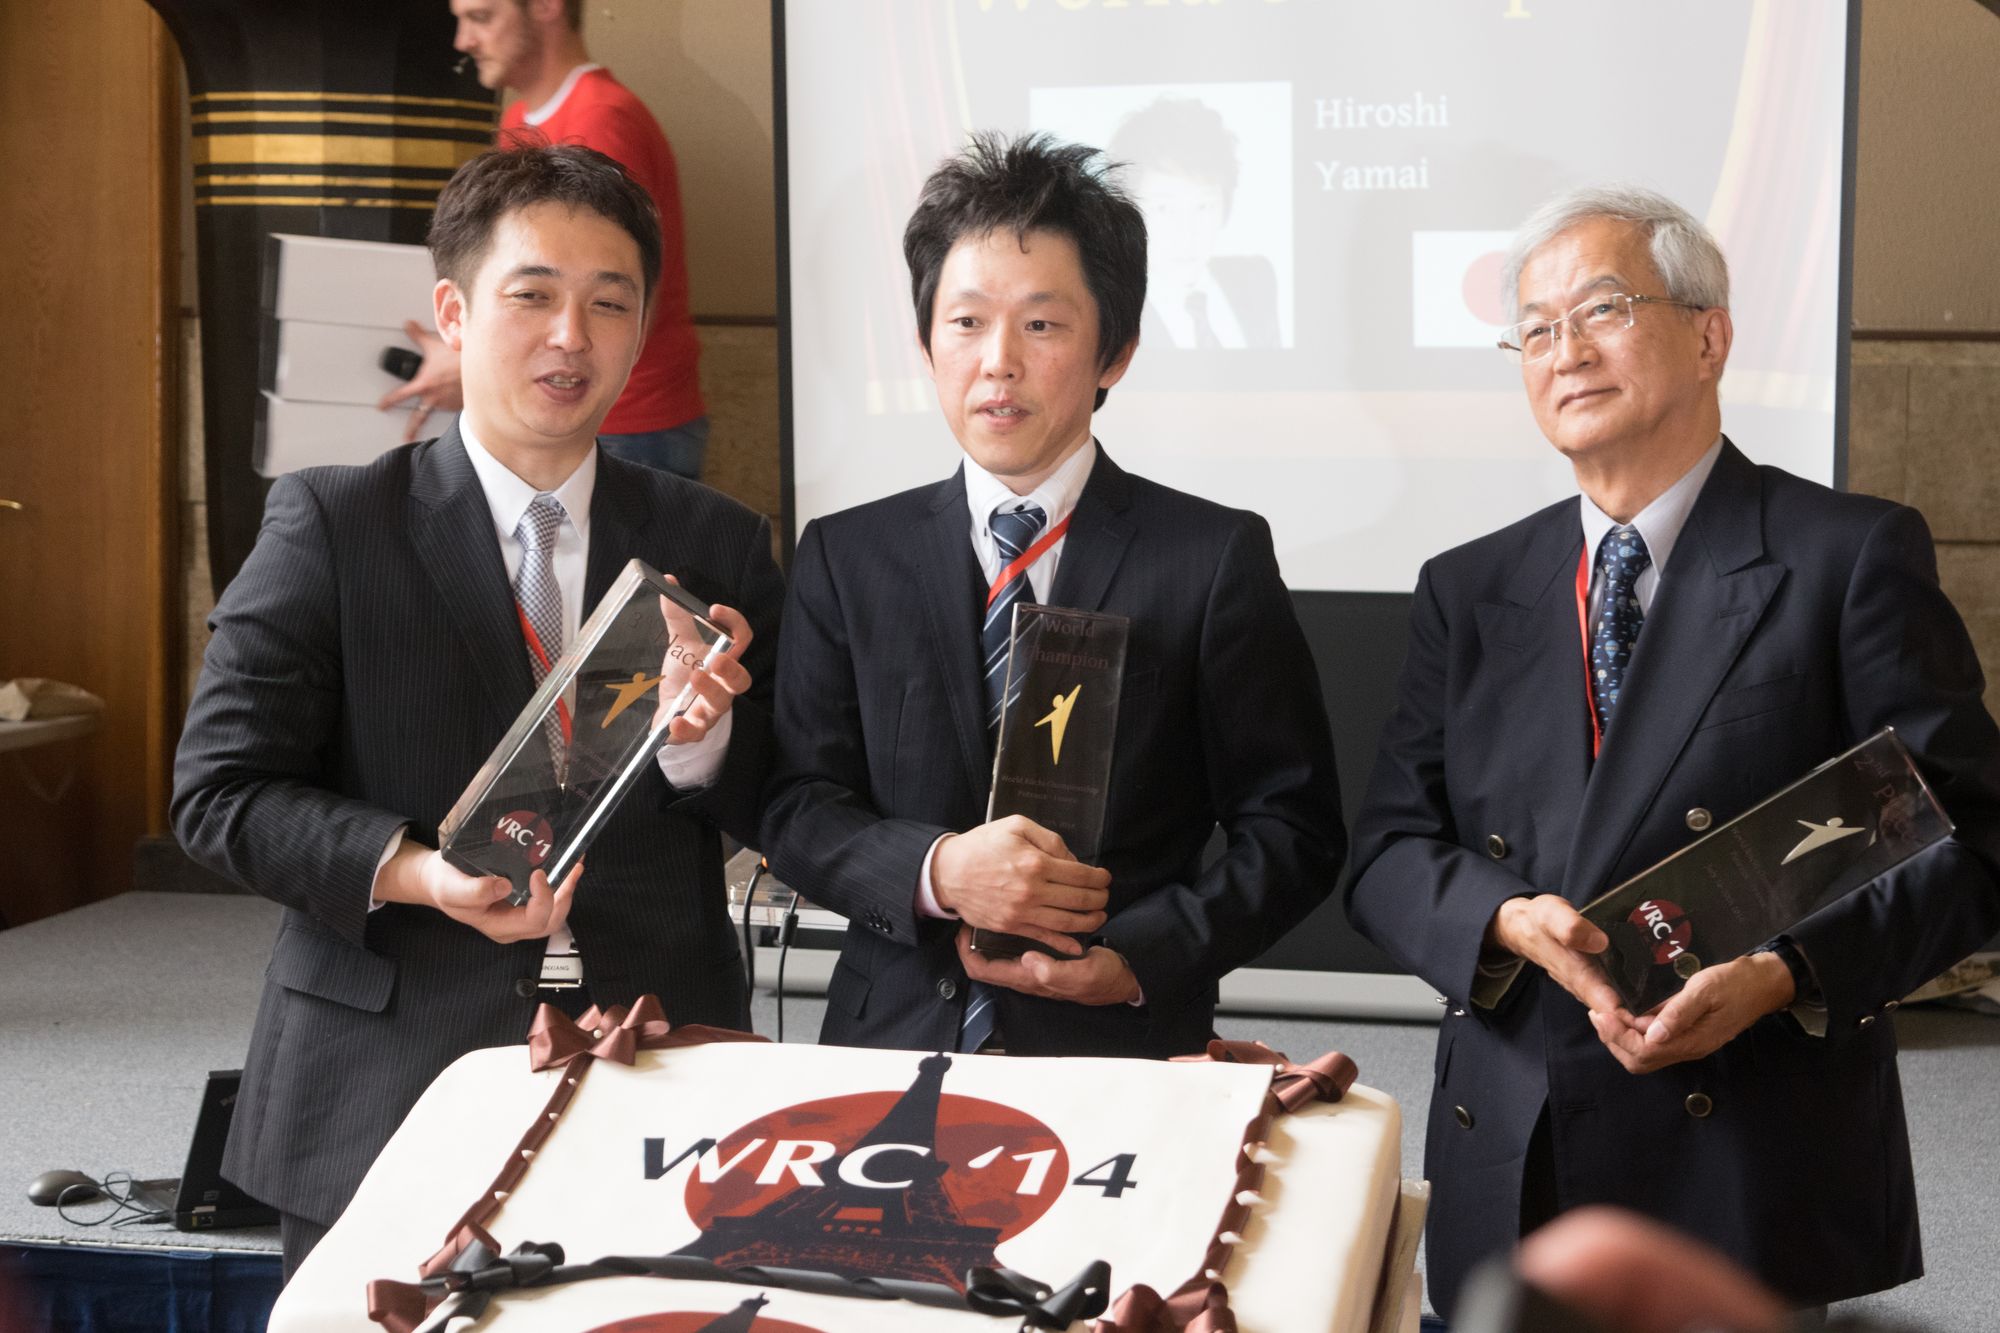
(526, 832)
(1003, 1167)
(1480, 288)
(1666, 925)
(681, 1321)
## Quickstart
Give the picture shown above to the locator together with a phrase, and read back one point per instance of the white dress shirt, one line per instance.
(1660, 523)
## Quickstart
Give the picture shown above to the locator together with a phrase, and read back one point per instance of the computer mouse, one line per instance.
(49, 1186)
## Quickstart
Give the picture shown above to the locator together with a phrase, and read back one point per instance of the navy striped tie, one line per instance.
(1013, 532)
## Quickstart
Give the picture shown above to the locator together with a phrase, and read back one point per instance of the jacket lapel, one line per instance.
(451, 528)
(617, 521)
(1712, 597)
(952, 598)
(1099, 531)
(1533, 635)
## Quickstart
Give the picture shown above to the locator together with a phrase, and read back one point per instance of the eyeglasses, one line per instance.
(1599, 319)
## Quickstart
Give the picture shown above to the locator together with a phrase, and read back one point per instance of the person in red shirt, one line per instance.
(536, 47)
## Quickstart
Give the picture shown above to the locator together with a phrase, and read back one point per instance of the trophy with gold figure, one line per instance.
(588, 734)
(1052, 760)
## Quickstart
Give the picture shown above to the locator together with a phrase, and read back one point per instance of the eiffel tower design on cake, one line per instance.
(740, 1320)
(914, 1233)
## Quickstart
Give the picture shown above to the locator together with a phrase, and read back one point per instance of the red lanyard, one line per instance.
(1583, 627)
(542, 656)
(1027, 558)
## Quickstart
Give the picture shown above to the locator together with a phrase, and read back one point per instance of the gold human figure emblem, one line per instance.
(629, 693)
(1819, 835)
(1057, 722)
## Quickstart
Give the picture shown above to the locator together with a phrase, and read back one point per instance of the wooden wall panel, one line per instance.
(89, 233)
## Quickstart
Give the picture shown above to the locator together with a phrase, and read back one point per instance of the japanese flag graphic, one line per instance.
(1455, 287)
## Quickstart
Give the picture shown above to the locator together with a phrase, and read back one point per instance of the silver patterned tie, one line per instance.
(541, 601)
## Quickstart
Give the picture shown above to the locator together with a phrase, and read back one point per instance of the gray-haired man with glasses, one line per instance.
(1589, 689)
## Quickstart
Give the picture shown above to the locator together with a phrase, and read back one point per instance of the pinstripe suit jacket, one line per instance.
(364, 663)
(883, 748)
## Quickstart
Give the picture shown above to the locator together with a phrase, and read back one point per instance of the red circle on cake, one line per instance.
(686, 1321)
(527, 832)
(1002, 1167)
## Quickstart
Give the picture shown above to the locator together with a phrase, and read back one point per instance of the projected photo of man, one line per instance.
(1182, 164)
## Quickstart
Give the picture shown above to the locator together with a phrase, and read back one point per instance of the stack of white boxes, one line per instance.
(330, 307)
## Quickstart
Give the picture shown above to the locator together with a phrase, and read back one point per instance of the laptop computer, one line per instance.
(204, 1200)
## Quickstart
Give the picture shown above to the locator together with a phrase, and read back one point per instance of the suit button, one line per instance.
(1698, 1105)
(1496, 846)
(1463, 1116)
(1866, 1021)
(946, 990)
(1891, 1006)
(525, 987)
(1699, 819)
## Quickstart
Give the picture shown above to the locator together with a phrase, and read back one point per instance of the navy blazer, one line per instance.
(364, 663)
(1793, 622)
(883, 748)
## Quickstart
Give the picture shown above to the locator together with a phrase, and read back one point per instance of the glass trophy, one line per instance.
(1052, 761)
(1848, 821)
(591, 730)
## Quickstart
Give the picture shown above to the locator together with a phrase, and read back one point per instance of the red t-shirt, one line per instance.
(600, 112)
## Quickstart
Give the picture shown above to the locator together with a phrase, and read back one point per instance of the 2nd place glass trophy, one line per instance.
(585, 738)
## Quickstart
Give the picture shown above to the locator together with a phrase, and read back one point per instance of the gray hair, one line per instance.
(1689, 260)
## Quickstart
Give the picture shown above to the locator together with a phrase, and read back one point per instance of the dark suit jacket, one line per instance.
(364, 663)
(883, 748)
(1792, 622)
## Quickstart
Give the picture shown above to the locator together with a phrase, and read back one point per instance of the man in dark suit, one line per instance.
(1742, 626)
(1029, 270)
(389, 626)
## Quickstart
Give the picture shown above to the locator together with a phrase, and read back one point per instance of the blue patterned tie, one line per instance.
(1013, 532)
(1621, 558)
(541, 600)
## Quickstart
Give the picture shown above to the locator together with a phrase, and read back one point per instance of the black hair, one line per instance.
(524, 172)
(1183, 136)
(1034, 183)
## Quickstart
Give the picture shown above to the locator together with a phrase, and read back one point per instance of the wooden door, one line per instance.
(89, 223)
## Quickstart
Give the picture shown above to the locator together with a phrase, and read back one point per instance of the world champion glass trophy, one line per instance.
(597, 722)
(1052, 760)
(1850, 820)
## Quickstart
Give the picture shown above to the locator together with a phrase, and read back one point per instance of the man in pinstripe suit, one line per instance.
(1029, 270)
(372, 651)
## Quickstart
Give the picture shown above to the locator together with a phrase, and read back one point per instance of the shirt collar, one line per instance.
(508, 497)
(1056, 496)
(1660, 522)
(554, 104)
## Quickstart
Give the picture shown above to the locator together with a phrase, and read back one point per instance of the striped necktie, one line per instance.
(1621, 558)
(540, 600)
(1013, 532)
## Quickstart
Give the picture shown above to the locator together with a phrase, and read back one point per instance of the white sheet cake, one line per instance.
(863, 1163)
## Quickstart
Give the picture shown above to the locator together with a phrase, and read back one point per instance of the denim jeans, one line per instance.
(677, 449)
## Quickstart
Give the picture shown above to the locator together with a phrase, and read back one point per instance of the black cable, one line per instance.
(130, 1205)
(785, 934)
(749, 948)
